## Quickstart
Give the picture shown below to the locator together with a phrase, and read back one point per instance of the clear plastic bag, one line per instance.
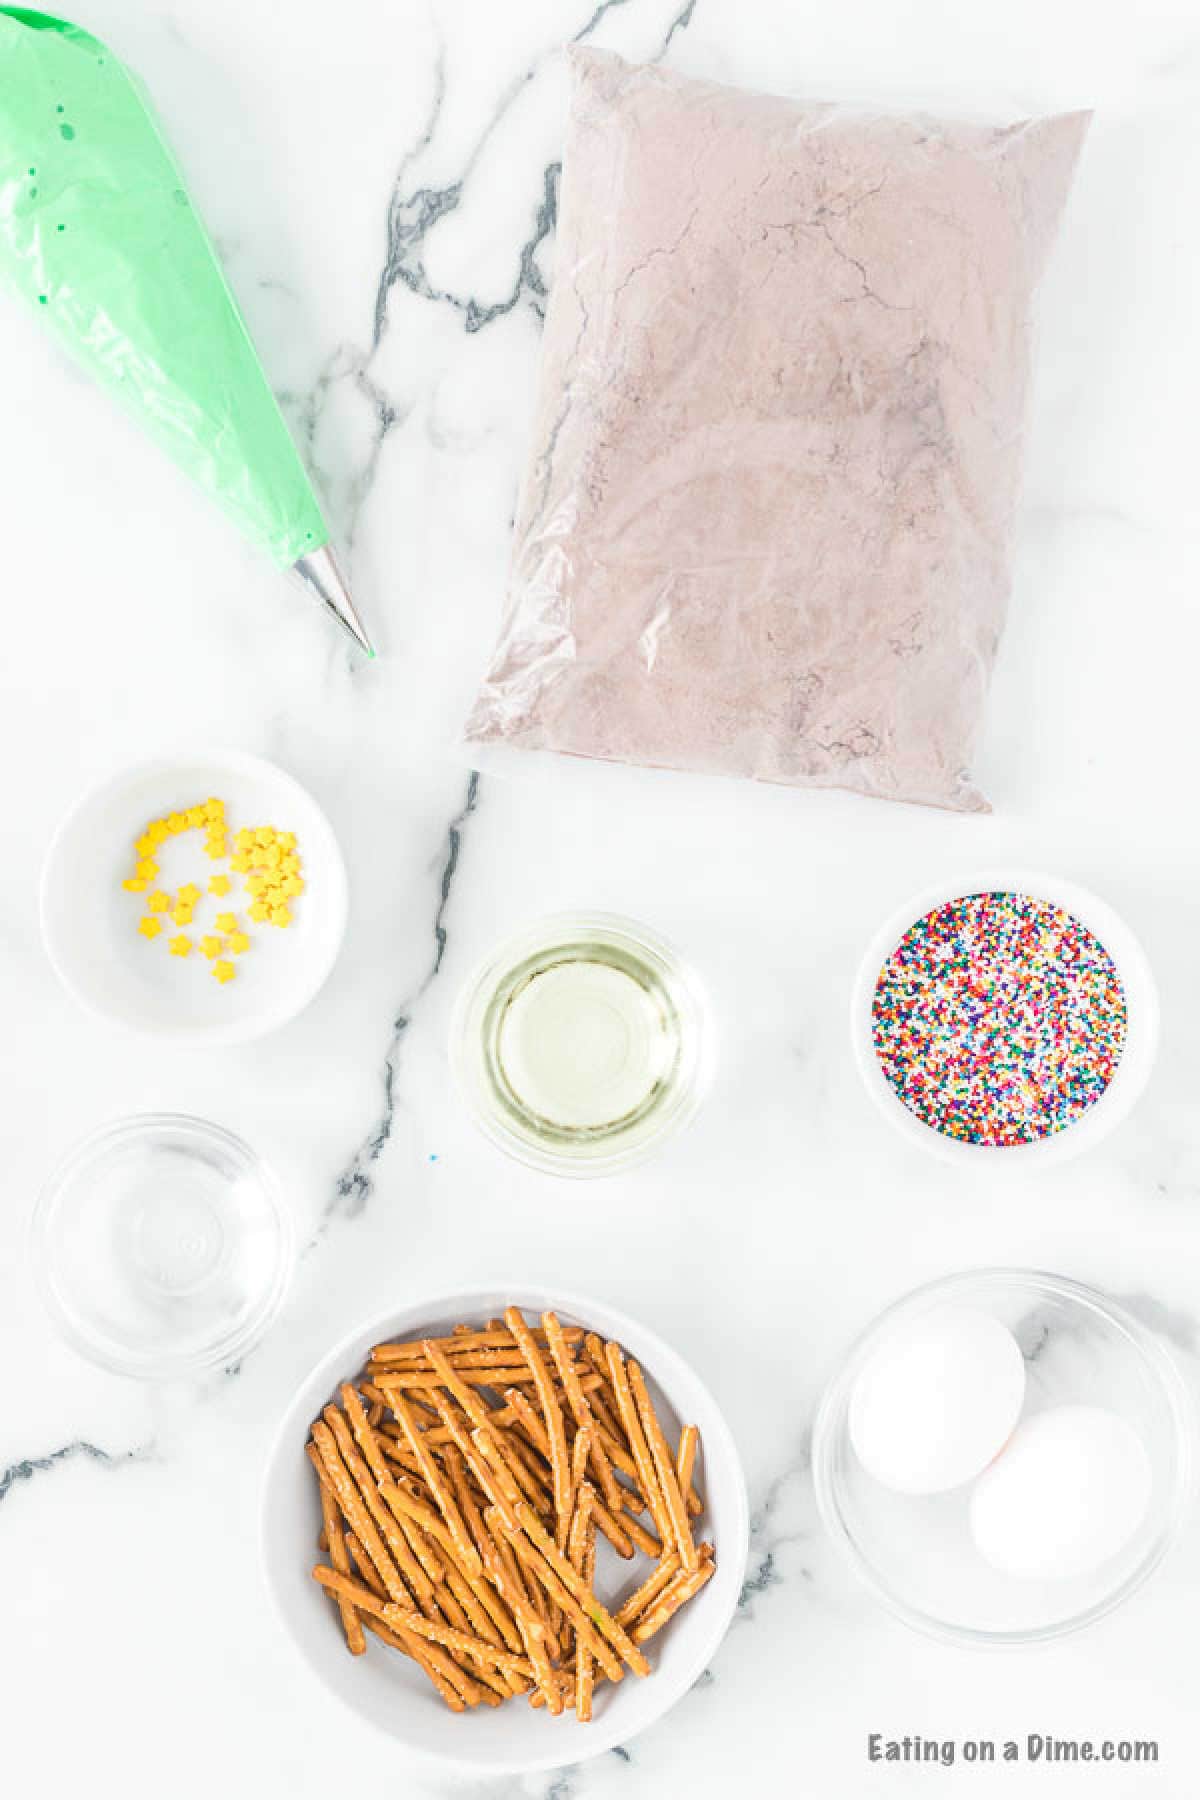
(764, 528)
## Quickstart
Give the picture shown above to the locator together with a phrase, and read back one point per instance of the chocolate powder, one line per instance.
(765, 524)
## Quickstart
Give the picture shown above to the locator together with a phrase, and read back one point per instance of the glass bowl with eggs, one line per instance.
(1004, 1456)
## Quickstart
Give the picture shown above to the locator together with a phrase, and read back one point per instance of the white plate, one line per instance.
(90, 923)
(1137, 1058)
(384, 1687)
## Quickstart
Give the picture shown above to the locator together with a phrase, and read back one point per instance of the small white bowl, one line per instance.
(90, 923)
(383, 1687)
(1137, 1058)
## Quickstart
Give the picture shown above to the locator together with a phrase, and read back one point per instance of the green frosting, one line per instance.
(98, 233)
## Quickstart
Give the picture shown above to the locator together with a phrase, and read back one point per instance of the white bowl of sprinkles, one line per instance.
(1010, 1016)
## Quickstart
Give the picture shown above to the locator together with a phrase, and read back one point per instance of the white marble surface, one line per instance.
(381, 180)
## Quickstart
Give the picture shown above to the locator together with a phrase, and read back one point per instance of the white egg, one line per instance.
(937, 1400)
(1069, 1492)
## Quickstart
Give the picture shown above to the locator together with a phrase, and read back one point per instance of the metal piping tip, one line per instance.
(320, 572)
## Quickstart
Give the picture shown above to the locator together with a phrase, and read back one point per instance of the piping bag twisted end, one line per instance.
(320, 573)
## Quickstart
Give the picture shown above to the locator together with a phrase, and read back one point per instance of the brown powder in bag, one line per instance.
(765, 524)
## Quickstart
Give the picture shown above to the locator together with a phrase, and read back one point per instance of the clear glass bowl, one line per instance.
(674, 1023)
(915, 1554)
(162, 1247)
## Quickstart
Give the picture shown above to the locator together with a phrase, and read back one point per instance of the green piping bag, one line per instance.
(99, 235)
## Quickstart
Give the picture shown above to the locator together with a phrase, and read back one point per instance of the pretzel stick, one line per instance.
(580, 1520)
(580, 1456)
(356, 1514)
(323, 1541)
(335, 1543)
(565, 1575)
(585, 1672)
(583, 1496)
(409, 1567)
(364, 1432)
(458, 1342)
(637, 1443)
(685, 1462)
(685, 1584)
(581, 1411)
(400, 1380)
(632, 1609)
(549, 1579)
(506, 1356)
(362, 1562)
(551, 1413)
(594, 1351)
(664, 1468)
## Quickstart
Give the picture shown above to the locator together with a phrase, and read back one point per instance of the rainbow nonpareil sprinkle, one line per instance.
(999, 1019)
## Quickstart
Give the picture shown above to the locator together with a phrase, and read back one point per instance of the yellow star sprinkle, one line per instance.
(239, 943)
(211, 946)
(219, 884)
(226, 921)
(159, 902)
(280, 915)
(224, 971)
(135, 885)
(150, 928)
(182, 914)
(260, 911)
(181, 946)
(189, 893)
